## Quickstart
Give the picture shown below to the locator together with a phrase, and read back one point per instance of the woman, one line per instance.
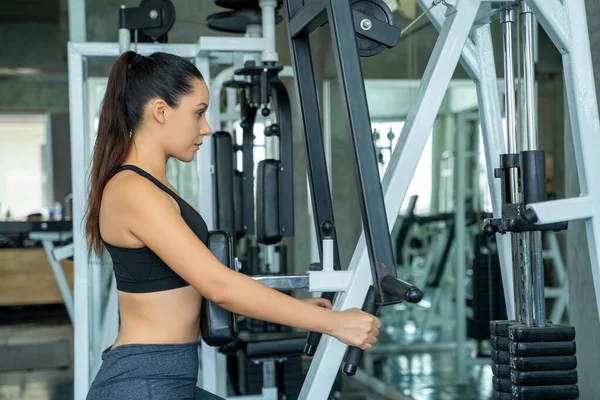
(154, 109)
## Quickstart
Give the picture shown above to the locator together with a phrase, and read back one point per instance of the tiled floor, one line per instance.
(431, 376)
(423, 376)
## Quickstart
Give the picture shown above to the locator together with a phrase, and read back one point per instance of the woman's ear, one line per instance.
(159, 108)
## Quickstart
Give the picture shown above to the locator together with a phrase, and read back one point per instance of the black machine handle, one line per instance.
(403, 290)
(396, 287)
(354, 354)
(313, 339)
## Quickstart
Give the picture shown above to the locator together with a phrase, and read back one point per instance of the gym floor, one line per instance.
(36, 365)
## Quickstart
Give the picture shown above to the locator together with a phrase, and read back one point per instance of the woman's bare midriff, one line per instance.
(166, 317)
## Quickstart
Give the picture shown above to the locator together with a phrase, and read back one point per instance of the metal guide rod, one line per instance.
(507, 18)
(529, 76)
(526, 278)
(532, 144)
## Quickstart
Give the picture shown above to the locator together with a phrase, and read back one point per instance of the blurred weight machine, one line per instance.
(426, 248)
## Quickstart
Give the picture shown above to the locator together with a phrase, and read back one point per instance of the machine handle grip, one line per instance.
(403, 290)
(354, 354)
(312, 341)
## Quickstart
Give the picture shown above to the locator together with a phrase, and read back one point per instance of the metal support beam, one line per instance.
(493, 144)
(573, 209)
(553, 14)
(583, 111)
(77, 25)
(468, 58)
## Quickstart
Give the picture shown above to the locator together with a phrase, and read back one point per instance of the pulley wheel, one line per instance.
(242, 4)
(234, 21)
(167, 11)
(376, 9)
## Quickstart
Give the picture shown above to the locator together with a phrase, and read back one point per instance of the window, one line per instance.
(385, 137)
(25, 166)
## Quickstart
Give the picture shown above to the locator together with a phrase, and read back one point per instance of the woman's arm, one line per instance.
(158, 224)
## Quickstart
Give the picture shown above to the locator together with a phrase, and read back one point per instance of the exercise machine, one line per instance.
(464, 37)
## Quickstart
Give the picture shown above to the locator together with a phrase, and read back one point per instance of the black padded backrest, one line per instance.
(218, 326)
(267, 202)
(224, 186)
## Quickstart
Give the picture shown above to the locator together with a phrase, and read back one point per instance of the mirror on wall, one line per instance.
(25, 166)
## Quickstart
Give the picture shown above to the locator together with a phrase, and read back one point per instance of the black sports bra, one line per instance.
(140, 270)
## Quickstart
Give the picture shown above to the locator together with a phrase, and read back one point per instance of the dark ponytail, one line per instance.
(133, 81)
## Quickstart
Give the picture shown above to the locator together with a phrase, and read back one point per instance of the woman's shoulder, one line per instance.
(129, 189)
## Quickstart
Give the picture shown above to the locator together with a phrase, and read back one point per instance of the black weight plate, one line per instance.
(501, 371)
(241, 4)
(542, 349)
(501, 396)
(542, 378)
(499, 342)
(562, 363)
(377, 9)
(566, 392)
(234, 21)
(549, 333)
(167, 10)
(501, 357)
(502, 385)
(500, 328)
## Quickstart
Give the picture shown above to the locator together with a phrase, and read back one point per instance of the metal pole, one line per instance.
(507, 18)
(77, 26)
(529, 75)
(535, 238)
(268, 30)
(460, 227)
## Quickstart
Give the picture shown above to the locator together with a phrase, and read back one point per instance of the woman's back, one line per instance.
(156, 305)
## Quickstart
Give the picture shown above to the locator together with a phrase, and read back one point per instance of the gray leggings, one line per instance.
(149, 372)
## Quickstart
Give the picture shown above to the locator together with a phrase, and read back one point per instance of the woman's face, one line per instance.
(186, 126)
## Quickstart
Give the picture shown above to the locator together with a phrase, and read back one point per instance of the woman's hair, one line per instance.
(133, 81)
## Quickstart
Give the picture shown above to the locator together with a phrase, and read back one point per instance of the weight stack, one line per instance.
(533, 363)
(501, 359)
(543, 362)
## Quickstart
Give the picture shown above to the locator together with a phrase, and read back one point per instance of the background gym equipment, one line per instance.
(279, 365)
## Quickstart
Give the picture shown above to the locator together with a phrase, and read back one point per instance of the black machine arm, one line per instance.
(359, 28)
